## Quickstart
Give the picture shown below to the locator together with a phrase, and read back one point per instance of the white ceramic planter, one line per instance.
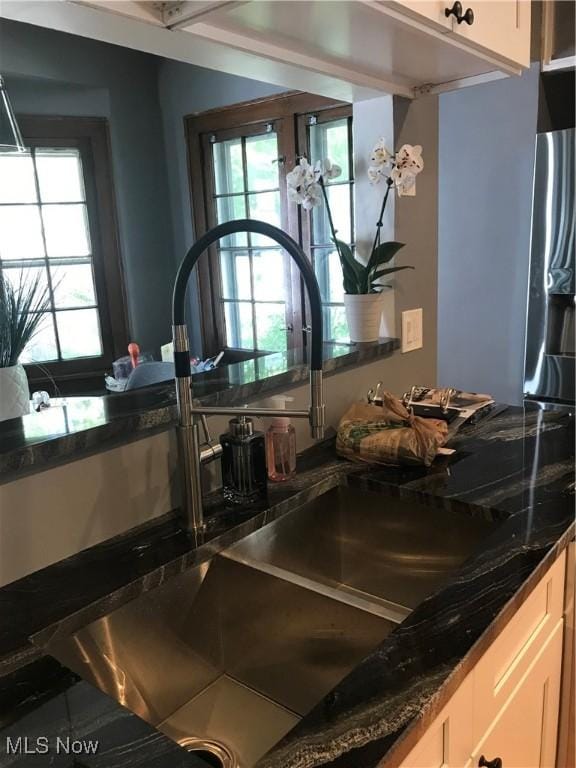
(14, 392)
(363, 313)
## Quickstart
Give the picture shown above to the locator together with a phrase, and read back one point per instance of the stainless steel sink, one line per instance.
(228, 656)
(224, 659)
(376, 551)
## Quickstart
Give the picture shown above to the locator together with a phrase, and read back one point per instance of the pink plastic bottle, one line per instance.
(280, 446)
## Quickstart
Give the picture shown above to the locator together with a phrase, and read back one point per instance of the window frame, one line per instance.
(90, 136)
(284, 111)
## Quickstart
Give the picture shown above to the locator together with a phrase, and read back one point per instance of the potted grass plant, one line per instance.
(362, 279)
(21, 310)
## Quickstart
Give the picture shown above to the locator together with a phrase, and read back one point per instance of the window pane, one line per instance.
(271, 326)
(229, 209)
(265, 206)
(330, 140)
(66, 229)
(73, 285)
(268, 268)
(339, 199)
(239, 331)
(20, 232)
(335, 325)
(261, 162)
(79, 333)
(17, 183)
(228, 172)
(42, 346)
(27, 276)
(329, 274)
(59, 175)
(235, 267)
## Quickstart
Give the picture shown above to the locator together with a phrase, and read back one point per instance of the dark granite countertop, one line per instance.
(74, 427)
(516, 466)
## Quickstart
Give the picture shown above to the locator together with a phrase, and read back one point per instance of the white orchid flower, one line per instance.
(312, 197)
(301, 175)
(381, 155)
(409, 158)
(376, 174)
(327, 169)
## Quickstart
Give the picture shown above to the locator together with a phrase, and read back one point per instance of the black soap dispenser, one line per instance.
(244, 476)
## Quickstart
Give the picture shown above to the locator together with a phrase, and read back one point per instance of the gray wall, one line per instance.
(186, 90)
(486, 164)
(50, 72)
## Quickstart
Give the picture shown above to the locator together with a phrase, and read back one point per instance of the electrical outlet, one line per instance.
(412, 330)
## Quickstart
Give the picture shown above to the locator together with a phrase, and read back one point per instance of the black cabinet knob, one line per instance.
(456, 10)
(468, 17)
(483, 763)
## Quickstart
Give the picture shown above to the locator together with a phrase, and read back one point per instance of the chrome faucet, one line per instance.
(192, 452)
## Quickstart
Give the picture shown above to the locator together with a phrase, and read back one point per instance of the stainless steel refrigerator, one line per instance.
(550, 356)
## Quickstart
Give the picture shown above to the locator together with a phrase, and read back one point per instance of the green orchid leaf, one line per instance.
(389, 271)
(384, 253)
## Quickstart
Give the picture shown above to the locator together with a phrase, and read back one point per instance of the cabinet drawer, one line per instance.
(446, 743)
(503, 665)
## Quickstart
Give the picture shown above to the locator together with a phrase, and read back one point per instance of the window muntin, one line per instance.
(332, 138)
(253, 295)
(44, 231)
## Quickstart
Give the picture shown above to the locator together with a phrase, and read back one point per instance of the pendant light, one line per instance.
(10, 137)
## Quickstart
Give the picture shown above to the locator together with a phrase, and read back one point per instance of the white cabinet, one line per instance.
(500, 28)
(446, 743)
(427, 11)
(524, 732)
(507, 706)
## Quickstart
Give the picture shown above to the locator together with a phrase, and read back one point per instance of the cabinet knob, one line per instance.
(496, 763)
(468, 17)
(456, 11)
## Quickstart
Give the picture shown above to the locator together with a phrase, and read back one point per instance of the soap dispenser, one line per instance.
(243, 462)
(280, 444)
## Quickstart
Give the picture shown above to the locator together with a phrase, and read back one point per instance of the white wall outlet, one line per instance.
(412, 330)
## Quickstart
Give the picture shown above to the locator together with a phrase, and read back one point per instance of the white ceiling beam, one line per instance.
(149, 12)
(97, 24)
(272, 48)
(181, 14)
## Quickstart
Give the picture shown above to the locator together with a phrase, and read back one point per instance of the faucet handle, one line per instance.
(206, 428)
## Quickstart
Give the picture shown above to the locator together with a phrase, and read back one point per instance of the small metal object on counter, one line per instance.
(192, 453)
(374, 397)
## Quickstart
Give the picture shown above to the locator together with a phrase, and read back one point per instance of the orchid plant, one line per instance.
(307, 187)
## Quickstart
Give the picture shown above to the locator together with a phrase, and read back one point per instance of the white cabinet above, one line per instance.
(347, 49)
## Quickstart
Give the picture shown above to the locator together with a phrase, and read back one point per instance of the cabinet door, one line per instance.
(501, 27)
(524, 732)
(427, 11)
(447, 742)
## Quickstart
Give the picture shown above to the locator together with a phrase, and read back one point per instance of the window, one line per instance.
(253, 268)
(57, 224)
(329, 134)
(251, 293)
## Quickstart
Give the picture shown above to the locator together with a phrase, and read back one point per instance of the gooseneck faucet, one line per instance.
(193, 453)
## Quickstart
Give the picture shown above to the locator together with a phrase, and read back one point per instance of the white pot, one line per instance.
(363, 313)
(14, 392)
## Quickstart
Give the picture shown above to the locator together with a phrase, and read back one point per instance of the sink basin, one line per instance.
(223, 658)
(379, 552)
(227, 657)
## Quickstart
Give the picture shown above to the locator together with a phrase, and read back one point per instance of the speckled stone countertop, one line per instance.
(515, 466)
(78, 426)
